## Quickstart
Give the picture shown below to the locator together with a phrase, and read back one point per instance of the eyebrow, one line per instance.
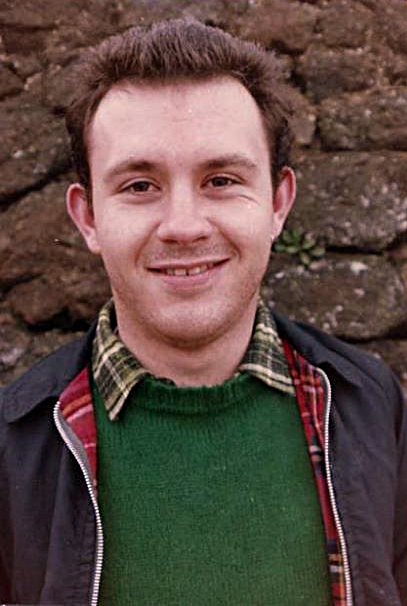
(220, 162)
(128, 165)
(238, 160)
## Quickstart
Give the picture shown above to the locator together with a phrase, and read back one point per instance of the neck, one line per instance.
(190, 365)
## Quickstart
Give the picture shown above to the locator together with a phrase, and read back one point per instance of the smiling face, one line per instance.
(184, 211)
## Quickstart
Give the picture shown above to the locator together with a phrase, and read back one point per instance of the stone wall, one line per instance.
(346, 61)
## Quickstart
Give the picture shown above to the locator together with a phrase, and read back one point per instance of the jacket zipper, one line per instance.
(65, 431)
(338, 524)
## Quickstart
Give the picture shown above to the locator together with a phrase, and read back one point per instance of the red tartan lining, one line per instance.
(77, 410)
(311, 403)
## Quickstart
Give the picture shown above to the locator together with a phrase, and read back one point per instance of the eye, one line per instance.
(220, 181)
(140, 187)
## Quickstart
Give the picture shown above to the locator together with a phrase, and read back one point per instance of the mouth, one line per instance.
(187, 270)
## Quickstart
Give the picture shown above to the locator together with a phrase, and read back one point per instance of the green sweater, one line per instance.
(207, 497)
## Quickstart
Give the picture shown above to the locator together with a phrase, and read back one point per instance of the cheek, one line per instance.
(117, 245)
(121, 233)
(257, 241)
(251, 232)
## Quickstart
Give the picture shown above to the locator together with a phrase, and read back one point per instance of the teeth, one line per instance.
(180, 272)
(199, 269)
(193, 271)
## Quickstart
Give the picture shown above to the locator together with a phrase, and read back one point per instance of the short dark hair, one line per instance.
(171, 51)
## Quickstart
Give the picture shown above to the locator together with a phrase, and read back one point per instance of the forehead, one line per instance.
(199, 117)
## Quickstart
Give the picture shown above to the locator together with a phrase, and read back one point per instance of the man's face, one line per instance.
(183, 211)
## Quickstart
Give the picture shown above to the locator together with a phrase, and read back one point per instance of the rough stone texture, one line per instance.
(356, 297)
(57, 86)
(391, 21)
(48, 14)
(46, 272)
(214, 12)
(40, 14)
(398, 257)
(20, 349)
(353, 199)
(328, 72)
(284, 26)
(34, 146)
(24, 66)
(346, 64)
(13, 343)
(345, 23)
(391, 68)
(52, 30)
(10, 84)
(304, 119)
(366, 121)
(97, 19)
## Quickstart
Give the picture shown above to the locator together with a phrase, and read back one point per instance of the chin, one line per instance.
(190, 334)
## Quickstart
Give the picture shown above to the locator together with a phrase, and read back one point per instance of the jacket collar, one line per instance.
(47, 379)
(322, 349)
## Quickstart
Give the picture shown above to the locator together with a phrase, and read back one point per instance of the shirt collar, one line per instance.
(116, 371)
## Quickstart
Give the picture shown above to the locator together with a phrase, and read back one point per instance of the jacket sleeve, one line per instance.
(6, 542)
(400, 526)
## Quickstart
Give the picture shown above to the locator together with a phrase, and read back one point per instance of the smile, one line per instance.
(187, 271)
(188, 268)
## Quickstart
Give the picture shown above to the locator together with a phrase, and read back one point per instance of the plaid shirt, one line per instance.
(116, 371)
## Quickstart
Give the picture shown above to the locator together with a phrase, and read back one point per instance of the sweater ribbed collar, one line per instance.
(116, 371)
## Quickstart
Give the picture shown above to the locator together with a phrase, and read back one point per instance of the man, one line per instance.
(193, 448)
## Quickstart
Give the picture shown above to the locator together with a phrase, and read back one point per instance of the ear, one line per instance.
(283, 198)
(81, 213)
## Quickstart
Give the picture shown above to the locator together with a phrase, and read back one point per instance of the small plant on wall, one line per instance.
(301, 244)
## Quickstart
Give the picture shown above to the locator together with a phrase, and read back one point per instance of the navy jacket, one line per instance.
(47, 522)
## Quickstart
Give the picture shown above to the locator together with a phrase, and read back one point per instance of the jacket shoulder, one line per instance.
(321, 349)
(46, 379)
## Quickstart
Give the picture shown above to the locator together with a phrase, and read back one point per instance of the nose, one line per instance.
(184, 218)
